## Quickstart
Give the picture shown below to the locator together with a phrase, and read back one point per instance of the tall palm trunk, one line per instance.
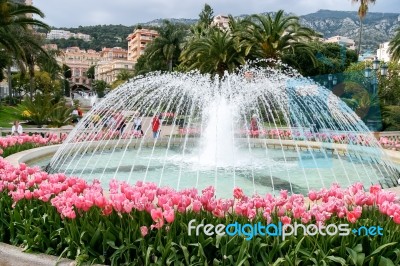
(31, 79)
(10, 88)
(359, 38)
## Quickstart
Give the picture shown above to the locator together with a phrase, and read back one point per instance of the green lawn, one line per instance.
(8, 114)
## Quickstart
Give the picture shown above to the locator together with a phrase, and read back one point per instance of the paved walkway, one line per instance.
(13, 256)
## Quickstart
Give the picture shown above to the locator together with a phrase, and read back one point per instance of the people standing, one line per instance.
(16, 129)
(75, 116)
(137, 125)
(156, 126)
(254, 126)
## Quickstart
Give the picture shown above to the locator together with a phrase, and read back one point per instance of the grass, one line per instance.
(8, 114)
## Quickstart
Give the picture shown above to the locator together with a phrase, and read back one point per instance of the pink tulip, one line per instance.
(237, 193)
(144, 231)
(285, 219)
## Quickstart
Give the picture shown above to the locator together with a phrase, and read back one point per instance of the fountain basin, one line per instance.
(287, 164)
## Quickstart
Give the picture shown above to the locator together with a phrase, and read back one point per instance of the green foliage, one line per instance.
(163, 53)
(14, 18)
(102, 36)
(90, 72)
(330, 58)
(60, 115)
(44, 109)
(273, 36)
(216, 52)
(100, 87)
(36, 110)
(391, 118)
(8, 115)
(66, 70)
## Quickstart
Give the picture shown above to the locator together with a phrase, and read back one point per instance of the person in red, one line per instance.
(254, 126)
(80, 113)
(156, 126)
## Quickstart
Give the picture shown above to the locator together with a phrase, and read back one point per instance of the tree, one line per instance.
(330, 58)
(394, 47)
(214, 53)
(14, 15)
(34, 55)
(206, 16)
(362, 12)
(100, 86)
(90, 72)
(168, 43)
(272, 37)
(122, 77)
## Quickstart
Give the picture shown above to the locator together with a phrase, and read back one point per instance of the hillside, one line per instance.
(378, 28)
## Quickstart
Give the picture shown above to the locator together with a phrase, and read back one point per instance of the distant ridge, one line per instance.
(378, 27)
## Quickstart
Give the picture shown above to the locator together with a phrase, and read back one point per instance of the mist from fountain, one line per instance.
(214, 145)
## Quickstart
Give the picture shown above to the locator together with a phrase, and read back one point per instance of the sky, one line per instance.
(74, 13)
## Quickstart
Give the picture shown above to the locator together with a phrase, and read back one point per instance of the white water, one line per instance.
(221, 111)
(217, 144)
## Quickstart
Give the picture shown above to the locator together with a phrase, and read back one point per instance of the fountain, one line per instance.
(305, 137)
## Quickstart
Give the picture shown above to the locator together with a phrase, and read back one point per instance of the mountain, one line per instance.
(377, 28)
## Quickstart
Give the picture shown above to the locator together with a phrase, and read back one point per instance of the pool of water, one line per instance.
(255, 171)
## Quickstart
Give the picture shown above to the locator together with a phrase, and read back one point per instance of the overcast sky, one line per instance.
(72, 13)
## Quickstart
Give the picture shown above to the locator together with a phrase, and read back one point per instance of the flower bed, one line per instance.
(13, 144)
(145, 224)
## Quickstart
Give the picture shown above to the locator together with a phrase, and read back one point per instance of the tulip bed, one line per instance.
(143, 224)
(13, 144)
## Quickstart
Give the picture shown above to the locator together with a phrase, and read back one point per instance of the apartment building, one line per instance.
(79, 62)
(115, 53)
(64, 34)
(112, 62)
(109, 70)
(137, 42)
(383, 53)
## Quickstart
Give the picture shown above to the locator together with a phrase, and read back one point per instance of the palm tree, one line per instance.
(394, 47)
(168, 43)
(362, 12)
(30, 44)
(274, 36)
(17, 15)
(16, 22)
(214, 53)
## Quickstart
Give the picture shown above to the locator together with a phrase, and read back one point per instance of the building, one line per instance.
(112, 62)
(221, 21)
(137, 42)
(115, 53)
(64, 34)
(50, 47)
(341, 40)
(79, 62)
(383, 53)
(109, 70)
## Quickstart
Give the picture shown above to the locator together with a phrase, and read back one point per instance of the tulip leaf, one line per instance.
(385, 262)
(376, 251)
